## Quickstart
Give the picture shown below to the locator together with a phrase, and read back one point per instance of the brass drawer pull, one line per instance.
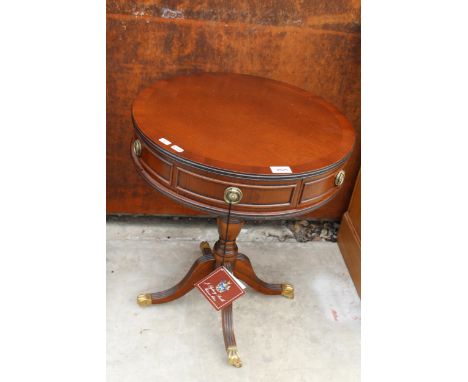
(339, 178)
(137, 147)
(232, 195)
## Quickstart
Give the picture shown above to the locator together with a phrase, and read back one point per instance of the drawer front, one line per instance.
(212, 190)
(204, 189)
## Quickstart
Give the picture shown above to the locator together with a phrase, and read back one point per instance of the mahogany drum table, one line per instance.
(237, 147)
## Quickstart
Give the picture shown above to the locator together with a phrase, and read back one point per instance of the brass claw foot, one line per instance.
(206, 249)
(287, 290)
(204, 245)
(144, 299)
(233, 356)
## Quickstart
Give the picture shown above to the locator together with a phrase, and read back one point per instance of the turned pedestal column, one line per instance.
(225, 253)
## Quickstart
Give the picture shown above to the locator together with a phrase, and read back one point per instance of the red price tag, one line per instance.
(220, 288)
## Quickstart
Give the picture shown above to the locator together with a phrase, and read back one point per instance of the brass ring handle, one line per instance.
(137, 147)
(339, 178)
(232, 195)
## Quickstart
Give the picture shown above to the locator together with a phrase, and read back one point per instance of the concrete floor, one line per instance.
(315, 337)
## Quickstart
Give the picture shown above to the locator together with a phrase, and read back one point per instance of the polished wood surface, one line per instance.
(312, 45)
(316, 147)
(243, 124)
(199, 270)
(349, 236)
(244, 271)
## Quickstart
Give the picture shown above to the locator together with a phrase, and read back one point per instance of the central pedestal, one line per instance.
(225, 252)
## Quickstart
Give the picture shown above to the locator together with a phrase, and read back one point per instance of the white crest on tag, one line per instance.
(235, 278)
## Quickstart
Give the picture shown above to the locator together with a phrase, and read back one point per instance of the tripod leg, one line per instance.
(229, 338)
(200, 269)
(245, 272)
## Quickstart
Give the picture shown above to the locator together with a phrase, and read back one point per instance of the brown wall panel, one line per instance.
(315, 46)
(349, 236)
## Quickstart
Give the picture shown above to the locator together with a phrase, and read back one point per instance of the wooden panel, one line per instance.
(316, 188)
(355, 206)
(202, 188)
(349, 236)
(350, 247)
(205, 188)
(157, 166)
(314, 45)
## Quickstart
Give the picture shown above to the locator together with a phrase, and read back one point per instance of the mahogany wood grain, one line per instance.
(349, 236)
(227, 322)
(313, 45)
(228, 327)
(354, 208)
(244, 271)
(225, 249)
(243, 124)
(225, 253)
(229, 129)
(200, 269)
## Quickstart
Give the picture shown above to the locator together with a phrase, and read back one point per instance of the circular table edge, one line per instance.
(216, 166)
(221, 209)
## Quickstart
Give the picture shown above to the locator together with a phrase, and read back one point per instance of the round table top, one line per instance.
(243, 124)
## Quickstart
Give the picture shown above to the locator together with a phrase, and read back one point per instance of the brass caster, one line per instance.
(287, 290)
(233, 356)
(144, 299)
(204, 245)
(206, 249)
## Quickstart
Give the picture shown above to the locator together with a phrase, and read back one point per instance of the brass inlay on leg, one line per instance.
(287, 290)
(144, 299)
(233, 356)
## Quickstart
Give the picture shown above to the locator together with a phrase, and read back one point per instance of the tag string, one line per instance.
(227, 231)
